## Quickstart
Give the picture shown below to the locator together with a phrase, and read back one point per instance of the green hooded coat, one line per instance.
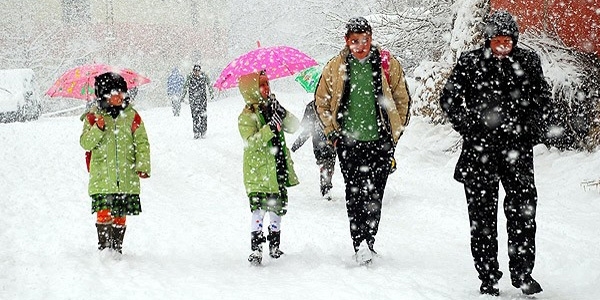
(260, 175)
(117, 153)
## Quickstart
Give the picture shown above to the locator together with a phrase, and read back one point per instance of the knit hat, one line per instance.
(358, 25)
(501, 22)
(107, 82)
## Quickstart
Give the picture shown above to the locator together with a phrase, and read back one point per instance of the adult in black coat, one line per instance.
(196, 85)
(497, 99)
(324, 153)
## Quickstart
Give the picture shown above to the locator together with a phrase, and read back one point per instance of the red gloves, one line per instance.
(143, 175)
(100, 122)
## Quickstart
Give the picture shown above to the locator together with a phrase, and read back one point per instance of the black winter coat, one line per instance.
(497, 104)
(503, 101)
(313, 128)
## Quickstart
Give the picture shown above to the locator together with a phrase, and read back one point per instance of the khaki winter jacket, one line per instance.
(329, 95)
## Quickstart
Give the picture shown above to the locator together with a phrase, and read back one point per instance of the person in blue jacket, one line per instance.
(174, 89)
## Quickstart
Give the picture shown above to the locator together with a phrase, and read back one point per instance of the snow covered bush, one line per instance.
(430, 76)
(575, 86)
(572, 76)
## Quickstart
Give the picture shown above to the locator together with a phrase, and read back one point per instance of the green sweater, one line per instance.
(360, 120)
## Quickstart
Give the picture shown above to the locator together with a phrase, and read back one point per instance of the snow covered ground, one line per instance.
(192, 239)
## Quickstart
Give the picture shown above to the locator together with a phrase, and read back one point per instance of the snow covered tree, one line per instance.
(414, 30)
(430, 75)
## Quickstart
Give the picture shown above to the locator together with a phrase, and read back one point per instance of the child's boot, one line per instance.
(274, 242)
(257, 239)
(104, 235)
(118, 232)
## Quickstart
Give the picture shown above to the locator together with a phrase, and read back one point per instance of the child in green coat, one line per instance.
(268, 166)
(119, 155)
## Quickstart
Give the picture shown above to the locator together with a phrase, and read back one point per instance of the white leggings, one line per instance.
(257, 221)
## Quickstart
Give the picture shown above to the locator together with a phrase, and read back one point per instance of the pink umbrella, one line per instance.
(277, 61)
(78, 82)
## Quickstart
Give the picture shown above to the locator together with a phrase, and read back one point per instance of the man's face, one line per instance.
(263, 86)
(501, 45)
(359, 44)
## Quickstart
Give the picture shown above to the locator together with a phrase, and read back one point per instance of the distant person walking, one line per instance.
(196, 85)
(324, 152)
(497, 98)
(175, 83)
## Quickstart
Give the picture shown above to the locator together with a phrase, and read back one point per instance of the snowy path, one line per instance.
(192, 239)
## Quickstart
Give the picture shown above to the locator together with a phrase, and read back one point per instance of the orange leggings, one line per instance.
(104, 217)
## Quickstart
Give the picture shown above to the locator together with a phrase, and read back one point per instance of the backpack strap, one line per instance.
(385, 64)
(91, 117)
(137, 120)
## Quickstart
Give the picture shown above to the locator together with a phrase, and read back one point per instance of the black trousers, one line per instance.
(515, 172)
(199, 119)
(365, 167)
(326, 169)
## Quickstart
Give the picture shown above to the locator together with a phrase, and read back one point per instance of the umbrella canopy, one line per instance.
(309, 78)
(276, 61)
(78, 82)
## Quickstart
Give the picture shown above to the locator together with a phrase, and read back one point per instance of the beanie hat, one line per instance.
(501, 22)
(108, 82)
(358, 25)
(197, 68)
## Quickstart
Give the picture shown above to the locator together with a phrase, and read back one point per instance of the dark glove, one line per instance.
(143, 175)
(276, 108)
(333, 138)
(295, 146)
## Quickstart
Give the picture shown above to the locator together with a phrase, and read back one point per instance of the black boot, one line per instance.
(489, 287)
(104, 236)
(274, 242)
(118, 232)
(256, 245)
(527, 284)
(489, 284)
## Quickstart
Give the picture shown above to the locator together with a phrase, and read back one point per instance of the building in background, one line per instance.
(149, 36)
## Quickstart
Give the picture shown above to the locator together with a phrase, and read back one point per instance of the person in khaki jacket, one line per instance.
(363, 102)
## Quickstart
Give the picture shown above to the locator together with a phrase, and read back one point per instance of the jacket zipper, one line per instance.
(116, 154)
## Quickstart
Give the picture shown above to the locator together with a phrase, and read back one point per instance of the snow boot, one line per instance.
(274, 242)
(363, 255)
(489, 287)
(527, 284)
(371, 246)
(326, 192)
(489, 284)
(118, 232)
(104, 236)
(257, 239)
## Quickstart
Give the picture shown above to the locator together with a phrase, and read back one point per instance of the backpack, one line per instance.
(91, 117)
(385, 63)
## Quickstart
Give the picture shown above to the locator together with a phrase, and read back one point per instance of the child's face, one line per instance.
(263, 85)
(116, 99)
